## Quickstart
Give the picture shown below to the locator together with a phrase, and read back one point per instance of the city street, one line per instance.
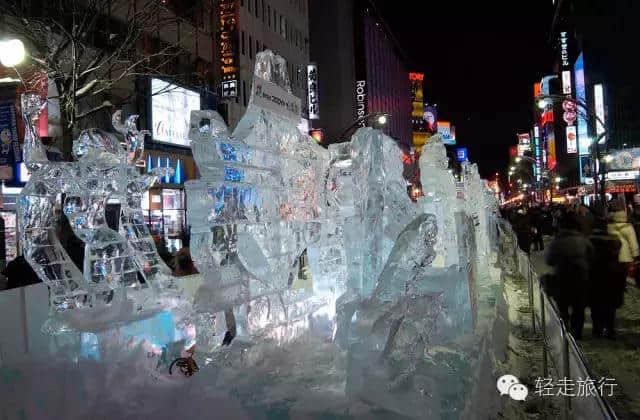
(317, 209)
(619, 358)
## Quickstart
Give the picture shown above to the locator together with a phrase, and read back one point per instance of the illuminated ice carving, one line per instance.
(121, 270)
(256, 208)
(440, 199)
(476, 207)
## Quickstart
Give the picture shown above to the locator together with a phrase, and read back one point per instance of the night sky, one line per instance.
(480, 60)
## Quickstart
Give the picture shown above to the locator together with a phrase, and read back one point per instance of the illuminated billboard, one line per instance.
(228, 46)
(572, 139)
(581, 96)
(598, 94)
(312, 84)
(444, 129)
(171, 108)
(462, 155)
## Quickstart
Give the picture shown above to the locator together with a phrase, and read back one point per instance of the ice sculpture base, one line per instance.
(122, 310)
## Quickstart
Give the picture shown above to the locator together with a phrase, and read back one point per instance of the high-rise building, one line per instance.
(593, 41)
(247, 27)
(361, 69)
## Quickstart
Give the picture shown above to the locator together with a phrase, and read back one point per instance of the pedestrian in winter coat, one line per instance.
(537, 218)
(620, 227)
(570, 254)
(585, 220)
(522, 228)
(608, 282)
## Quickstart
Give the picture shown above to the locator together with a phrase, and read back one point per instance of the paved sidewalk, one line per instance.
(618, 359)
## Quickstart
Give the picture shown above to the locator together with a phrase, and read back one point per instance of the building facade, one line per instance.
(278, 25)
(592, 41)
(361, 69)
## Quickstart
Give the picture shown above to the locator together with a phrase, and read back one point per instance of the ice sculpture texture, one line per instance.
(257, 207)
(439, 188)
(122, 272)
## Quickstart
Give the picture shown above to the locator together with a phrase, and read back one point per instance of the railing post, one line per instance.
(567, 372)
(543, 326)
(533, 309)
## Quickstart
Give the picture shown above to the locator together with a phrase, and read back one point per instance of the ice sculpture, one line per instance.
(257, 206)
(475, 206)
(382, 206)
(440, 199)
(121, 270)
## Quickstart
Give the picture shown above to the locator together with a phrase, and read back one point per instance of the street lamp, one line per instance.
(12, 52)
(381, 119)
(558, 180)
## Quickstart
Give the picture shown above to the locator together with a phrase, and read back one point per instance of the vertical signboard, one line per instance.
(361, 100)
(598, 94)
(228, 44)
(537, 152)
(566, 82)
(572, 139)
(312, 85)
(9, 144)
(581, 96)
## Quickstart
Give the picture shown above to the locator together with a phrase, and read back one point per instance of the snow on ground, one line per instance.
(524, 354)
(618, 359)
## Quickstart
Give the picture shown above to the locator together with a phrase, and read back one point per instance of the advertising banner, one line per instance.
(524, 143)
(9, 144)
(584, 142)
(598, 94)
(171, 108)
(624, 160)
(272, 97)
(444, 129)
(572, 139)
(312, 85)
(431, 117)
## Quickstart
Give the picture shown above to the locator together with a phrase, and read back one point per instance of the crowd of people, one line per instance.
(592, 255)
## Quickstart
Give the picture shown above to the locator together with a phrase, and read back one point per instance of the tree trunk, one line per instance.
(67, 140)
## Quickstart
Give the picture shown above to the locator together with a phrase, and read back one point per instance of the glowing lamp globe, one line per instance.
(12, 52)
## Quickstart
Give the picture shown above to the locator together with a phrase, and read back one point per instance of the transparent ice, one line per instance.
(122, 275)
(440, 198)
(325, 290)
(255, 210)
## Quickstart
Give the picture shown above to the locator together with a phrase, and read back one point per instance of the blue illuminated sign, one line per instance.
(462, 154)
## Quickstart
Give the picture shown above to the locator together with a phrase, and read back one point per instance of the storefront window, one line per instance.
(165, 214)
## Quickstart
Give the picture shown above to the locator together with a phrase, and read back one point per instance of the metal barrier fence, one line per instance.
(560, 349)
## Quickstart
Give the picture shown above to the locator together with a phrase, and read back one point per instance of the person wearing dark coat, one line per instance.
(19, 273)
(570, 255)
(537, 219)
(522, 228)
(608, 282)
